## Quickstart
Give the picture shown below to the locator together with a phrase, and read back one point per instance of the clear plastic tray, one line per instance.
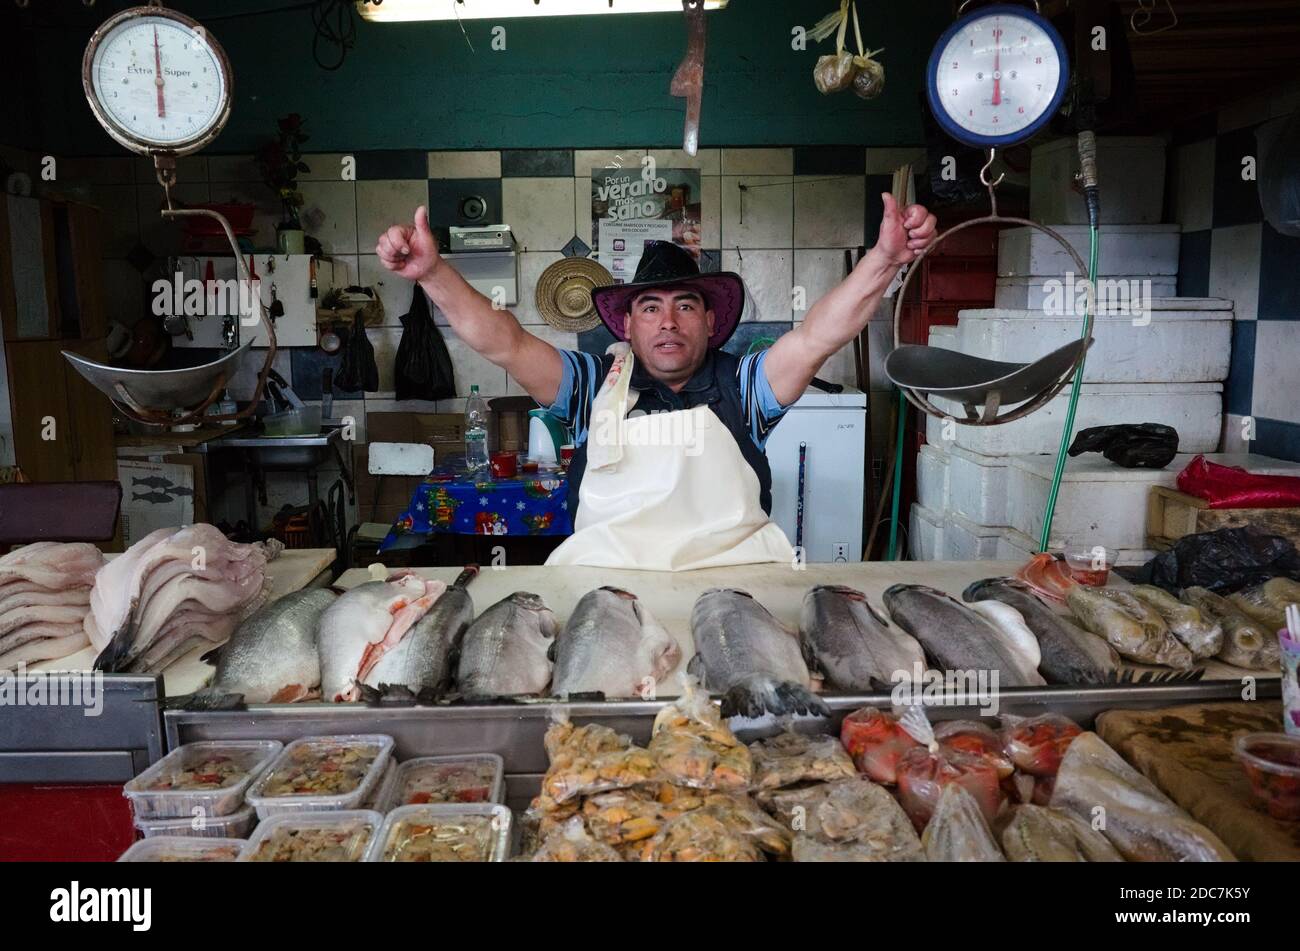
(313, 749)
(250, 756)
(472, 777)
(381, 800)
(488, 839)
(183, 849)
(344, 836)
(237, 825)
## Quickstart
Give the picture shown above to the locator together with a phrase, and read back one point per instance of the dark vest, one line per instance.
(715, 384)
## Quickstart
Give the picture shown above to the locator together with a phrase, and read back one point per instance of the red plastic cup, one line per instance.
(504, 465)
(566, 455)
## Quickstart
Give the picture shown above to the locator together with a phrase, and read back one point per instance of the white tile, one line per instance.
(883, 161)
(268, 212)
(385, 341)
(538, 210)
(119, 218)
(1233, 430)
(710, 211)
(708, 161)
(1234, 267)
(386, 202)
(1194, 185)
(328, 167)
(329, 214)
(829, 212)
(760, 215)
(1277, 355)
(556, 338)
(1244, 112)
(768, 275)
(100, 170)
(582, 224)
(817, 271)
(381, 402)
(354, 408)
(586, 161)
(238, 168)
(465, 164)
(394, 292)
(758, 161)
(162, 235)
(531, 266)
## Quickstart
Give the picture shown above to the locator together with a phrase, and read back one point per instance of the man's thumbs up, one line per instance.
(410, 251)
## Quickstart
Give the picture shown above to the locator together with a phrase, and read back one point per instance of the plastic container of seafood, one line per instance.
(1272, 764)
(381, 799)
(237, 825)
(212, 776)
(183, 849)
(471, 832)
(430, 780)
(322, 773)
(343, 836)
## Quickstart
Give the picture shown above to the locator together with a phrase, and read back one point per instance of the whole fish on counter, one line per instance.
(1011, 625)
(955, 637)
(1070, 655)
(1267, 602)
(1246, 642)
(1129, 625)
(423, 659)
(271, 658)
(1201, 635)
(505, 653)
(851, 643)
(745, 654)
(612, 645)
(364, 624)
(1043, 834)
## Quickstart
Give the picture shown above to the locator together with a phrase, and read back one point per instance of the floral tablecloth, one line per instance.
(451, 501)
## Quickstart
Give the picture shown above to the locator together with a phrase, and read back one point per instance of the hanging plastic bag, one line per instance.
(359, 372)
(1131, 445)
(1231, 487)
(841, 70)
(423, 367)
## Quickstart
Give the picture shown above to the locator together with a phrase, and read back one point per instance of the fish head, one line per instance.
(625, 595)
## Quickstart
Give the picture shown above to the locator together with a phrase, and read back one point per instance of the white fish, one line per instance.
(612, 644)
(1010, 623)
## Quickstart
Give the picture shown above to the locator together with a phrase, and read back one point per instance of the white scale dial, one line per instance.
(159, 81)
(998, 74)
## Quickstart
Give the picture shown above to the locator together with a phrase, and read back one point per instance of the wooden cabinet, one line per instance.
(51, 299)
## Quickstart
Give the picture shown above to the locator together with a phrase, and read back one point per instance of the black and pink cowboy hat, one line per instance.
(665, 264)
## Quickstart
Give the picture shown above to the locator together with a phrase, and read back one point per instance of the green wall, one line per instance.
(563, 82)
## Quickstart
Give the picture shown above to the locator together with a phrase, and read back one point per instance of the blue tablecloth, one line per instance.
(451, 501)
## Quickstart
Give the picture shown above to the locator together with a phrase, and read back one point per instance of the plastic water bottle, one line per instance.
(476, 431)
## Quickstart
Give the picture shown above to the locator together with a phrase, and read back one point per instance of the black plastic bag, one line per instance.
(1223, 561)
(423, 370)
(1131, 445)
(358, 372)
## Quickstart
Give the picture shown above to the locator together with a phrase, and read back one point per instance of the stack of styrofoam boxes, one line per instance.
(982, 491)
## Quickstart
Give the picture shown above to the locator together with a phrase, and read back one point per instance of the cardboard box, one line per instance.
(445, 432)
(383, 499)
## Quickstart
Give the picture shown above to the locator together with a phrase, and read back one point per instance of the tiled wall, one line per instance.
(1229, 250)
(780, 217)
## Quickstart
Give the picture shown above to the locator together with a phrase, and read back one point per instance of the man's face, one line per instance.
(669, 330)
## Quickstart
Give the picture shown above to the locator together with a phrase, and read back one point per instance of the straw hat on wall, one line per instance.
(563, 293)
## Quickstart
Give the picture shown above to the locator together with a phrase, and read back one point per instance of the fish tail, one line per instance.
(208, 698)
(116, 656)
(756, 696)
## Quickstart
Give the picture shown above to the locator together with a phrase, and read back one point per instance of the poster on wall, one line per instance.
(631, 206)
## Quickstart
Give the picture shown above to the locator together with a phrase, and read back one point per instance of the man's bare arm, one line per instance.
(840, 316)
(411, 251)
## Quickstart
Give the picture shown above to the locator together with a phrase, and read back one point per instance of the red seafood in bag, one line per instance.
(922, 776)
(976, 739)
(876, 741)
(1036, 745)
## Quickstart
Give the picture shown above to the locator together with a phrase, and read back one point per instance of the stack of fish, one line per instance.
(172, 591)
(44, 596)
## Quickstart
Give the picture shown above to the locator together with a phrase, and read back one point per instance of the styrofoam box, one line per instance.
(1036, 293)
(932, 478)
(973, 486)
(964, 540)
(1177, 341)
(1130, 176)
(1194, 409)
(1137, 250)
(925, 535)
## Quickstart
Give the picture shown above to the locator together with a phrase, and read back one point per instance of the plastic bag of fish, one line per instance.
(693, 747)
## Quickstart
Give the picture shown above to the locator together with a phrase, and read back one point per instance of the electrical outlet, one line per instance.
(840, 551)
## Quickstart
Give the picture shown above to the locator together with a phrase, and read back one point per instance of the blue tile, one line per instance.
(392, 163)
(446, 194)
(1279, 275)
(306, 364)
(596, 340)
(1236, 202)
(537, 163)
(710, 261)
(829, 160)
(752, 330)
(1194, 263)
(1277, 439)
(1238, 391)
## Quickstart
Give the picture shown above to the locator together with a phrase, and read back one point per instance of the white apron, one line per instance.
(666, 492)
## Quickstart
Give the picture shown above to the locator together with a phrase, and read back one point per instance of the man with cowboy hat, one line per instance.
(669, 472)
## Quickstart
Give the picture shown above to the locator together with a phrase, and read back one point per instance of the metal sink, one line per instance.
(283, 452)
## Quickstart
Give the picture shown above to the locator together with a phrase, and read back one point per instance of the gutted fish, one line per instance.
(1042, 834)
(1070, 655)
(366, 623)
(1129, 625)
(424, 657)
(505, 652)
(1246, 642)
(612, 645)
(1267, 602)
(957, 831)
(1008, 622)
(853, 644)
(1144, 825)
(955, 637)
(1201, 635)
(745, 654)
